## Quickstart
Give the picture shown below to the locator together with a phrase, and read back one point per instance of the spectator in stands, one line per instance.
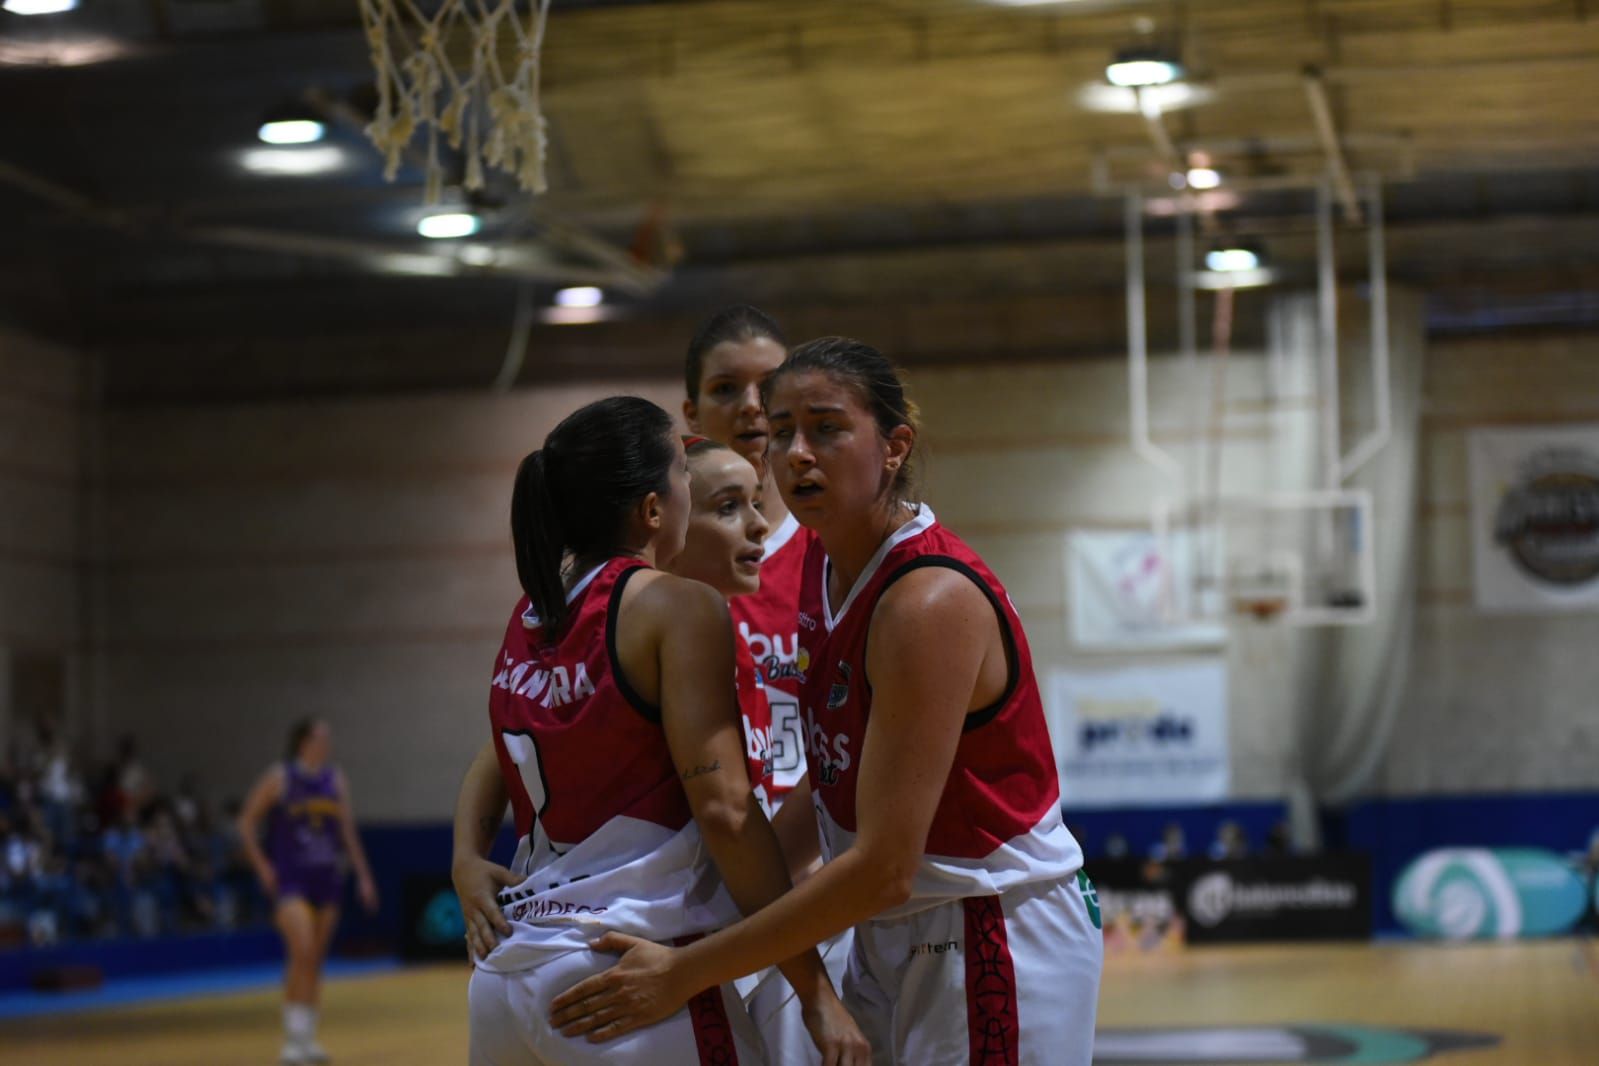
(1278, 841)
(156, 863)
(59, 788)
(1230, 842)
(1172, 846)
(188, 809)
(1116, 847)
(134, 785)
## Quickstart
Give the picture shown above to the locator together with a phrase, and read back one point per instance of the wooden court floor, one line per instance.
(1540, 999)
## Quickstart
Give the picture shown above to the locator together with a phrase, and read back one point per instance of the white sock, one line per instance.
(299, 1023)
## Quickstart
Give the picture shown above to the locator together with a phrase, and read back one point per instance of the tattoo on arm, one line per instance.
(701, 770)
(488, 827)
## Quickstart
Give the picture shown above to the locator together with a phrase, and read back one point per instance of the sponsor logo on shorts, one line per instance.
(1090, 898)
(940, 948)
(534, 910)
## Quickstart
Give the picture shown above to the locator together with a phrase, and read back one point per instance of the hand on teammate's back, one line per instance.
(477, 883)
(641, 989)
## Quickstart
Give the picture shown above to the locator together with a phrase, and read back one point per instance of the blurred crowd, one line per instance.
(110, 851)
(1230, 842)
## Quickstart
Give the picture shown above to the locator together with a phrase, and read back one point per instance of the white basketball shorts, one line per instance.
(1007, 980)
(510, 1023)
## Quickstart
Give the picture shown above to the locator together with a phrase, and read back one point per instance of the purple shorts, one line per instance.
(317, 885)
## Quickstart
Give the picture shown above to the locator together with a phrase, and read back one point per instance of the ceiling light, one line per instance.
(574, 316)
(422, 266)
(39, 7)
(1139, 69)
(293, 161)
(1232, 260)
(292, 131)
(1233, 279)
(59, 52)
(1206, 202)
(449, 224)
(1097, 96)
(1203, 178)
(579, 296)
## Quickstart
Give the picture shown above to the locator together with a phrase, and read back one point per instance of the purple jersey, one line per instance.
(305, 826)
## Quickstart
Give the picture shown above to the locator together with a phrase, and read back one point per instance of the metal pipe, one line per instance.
(1158, 134)
(1138, 346)
(1327, 132)
(1327, 337)
(1381, 399)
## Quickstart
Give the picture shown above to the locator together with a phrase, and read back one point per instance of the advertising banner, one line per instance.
(432, 926)
(1290, 897)
(1535, 518)
(1127, 590)
(1490, 894)
(1153, 734)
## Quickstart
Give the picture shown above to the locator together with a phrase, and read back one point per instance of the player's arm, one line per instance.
(365, 886)
(479, 810)
(265, 794)
(699, 713)
(795, 826)
(930, 635)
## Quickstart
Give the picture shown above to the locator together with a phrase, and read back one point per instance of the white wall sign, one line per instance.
(1535, 518)
(1140, 735)
(1132, 590)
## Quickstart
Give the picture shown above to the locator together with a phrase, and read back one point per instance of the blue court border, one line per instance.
(135, 991)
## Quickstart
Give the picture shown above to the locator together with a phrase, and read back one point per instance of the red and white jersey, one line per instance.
(766, 619)
(998, 822)
(607, 840)
(756, 714)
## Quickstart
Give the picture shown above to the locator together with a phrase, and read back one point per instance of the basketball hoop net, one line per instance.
(489, 107)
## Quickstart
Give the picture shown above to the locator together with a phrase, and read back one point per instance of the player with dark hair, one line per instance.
(311, 839)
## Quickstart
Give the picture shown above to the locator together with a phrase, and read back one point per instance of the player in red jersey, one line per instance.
(976, 935)
(618, 743)
(729, 359)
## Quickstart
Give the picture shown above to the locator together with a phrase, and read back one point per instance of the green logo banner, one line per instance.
(1489, 893)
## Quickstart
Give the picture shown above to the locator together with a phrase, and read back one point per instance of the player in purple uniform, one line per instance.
(311, 835)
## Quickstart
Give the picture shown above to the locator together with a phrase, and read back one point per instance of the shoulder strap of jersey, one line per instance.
(613, 611)
(983, 715)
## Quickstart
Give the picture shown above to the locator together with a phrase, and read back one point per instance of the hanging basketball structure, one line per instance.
(469, 73)
(1289, 539)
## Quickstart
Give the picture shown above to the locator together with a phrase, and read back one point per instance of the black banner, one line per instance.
(1291, 897)
(432, 925)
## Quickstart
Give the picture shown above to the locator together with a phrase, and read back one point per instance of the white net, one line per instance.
(464, 69)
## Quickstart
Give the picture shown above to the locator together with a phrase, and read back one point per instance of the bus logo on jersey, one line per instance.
(839, 693)
(781, 661)
(555, 687)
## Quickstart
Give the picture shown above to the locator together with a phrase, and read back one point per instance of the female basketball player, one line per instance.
(312, 832)
(729, 359)
(618, 740)
(938, 802)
